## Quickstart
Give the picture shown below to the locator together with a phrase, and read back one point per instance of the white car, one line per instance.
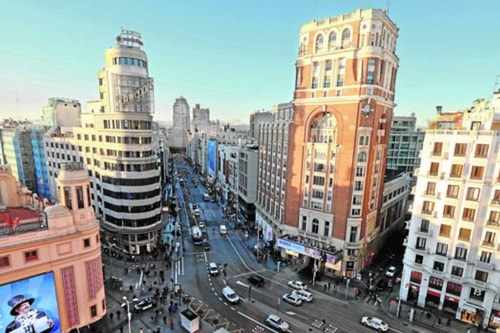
(293, 299)
(278, 323)
(299, 285)
(201, 224)
(391, 271)
(303, 295)
(230, 295)
(213, 269)
(375, 323)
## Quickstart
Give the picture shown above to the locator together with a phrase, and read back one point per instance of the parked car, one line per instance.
(375, 323)
(206, 197)
(296, 284)
(223, 229)
(206, 245)
(292, 298)
(256, 280)
(201, 224)
(146, 303)
(278, 323)
(213, 269)
(303, 295)
(382, 285)
(391, 271)
(230, 295)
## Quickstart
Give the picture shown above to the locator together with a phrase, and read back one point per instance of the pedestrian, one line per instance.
(439, 321)
(121, 329)
(165, 320)
(329, 285)
(118, 314)
(324, 287)
(171, 324)
(111, 316)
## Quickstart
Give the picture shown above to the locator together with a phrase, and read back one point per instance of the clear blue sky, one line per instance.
(236, 56)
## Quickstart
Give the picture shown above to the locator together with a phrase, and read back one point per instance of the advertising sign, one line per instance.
(212, 156)
(29, 305)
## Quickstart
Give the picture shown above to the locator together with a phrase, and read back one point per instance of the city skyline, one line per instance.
(236, 58)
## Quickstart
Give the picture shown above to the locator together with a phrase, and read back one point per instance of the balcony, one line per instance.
(488, 244)
(492, 223)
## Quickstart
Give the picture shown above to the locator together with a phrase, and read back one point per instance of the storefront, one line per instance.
(472, 313)
(432, 299)
(450, 305)
(494, 321)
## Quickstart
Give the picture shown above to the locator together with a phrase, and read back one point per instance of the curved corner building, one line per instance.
(127, 174)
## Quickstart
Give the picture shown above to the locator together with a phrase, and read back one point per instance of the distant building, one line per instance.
(178, 134)
(452, 249)
(61, 112)
(51, 255)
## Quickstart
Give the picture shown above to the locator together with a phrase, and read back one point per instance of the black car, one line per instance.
(146, 303)
(206, 245)
(382, 285)
(256, 280)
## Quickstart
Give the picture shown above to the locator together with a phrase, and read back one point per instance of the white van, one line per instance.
(303, 295)
(223, 229)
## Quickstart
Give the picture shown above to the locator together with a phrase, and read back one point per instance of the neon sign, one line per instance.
(137, 94)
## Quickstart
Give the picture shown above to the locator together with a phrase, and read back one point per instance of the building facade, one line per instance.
(51, 256)
(452, 256)
(181, 125)
(343, 104)
(118, 146)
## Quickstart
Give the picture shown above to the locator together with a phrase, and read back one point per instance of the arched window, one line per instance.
(332, 38)
(315, 226)
(346, 34)
(362, 157)
(319, 42)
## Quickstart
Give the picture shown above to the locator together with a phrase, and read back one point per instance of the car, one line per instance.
(206, 245)
(145, 303)
(375, 323)
(213, 269)
(303, 295)
(196, 212)
(391, 271)
(292, 298)
(206, 196)
(278, 323)
(201, 224)
(296, 284)
(256, 280)
(230, 295)
(223, 229)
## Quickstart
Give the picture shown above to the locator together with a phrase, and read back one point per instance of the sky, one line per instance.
(237, 57)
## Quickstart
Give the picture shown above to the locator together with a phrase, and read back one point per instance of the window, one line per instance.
(419, 259)
(434, 170)
(489, 238)
(496, 197)
(346, 34)
(354, 235)
(86, 242)
(461, 253)
(93, 310)
(435, 283)
(437, 149)
(444, 230)
(457, 271)
(477, 293)
(438, 266)
(431, 188)
(460, 149)
(452, 191)
(416, 277)
(481, 276)
(424, 225)
(468, 214)
(442, 249)
(332, 37)
(494, 217)
(454, 288)
(464, 234)
(427, 207)
(481, 150)
(304, 223)
(421, 242)
(473, 193)
(79, 196)
(315, 226)
(449, 211)
(326, 231)
(477, 172)
(485, 257)
(4, 262)
(456, 170)
(30, 255)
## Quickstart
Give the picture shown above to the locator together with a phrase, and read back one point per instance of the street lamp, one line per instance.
(129, 314)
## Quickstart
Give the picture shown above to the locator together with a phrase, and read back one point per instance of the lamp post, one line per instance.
(129, 314)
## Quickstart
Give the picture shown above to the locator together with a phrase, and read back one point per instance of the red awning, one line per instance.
(433, 293)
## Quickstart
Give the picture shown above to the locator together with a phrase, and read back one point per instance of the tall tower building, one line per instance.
(201, 119)
(181, 124)
(118, 147)
(343, 104)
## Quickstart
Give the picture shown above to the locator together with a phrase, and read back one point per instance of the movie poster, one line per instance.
(29, 305)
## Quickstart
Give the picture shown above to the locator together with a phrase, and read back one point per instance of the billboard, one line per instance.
(212, 156)
(29, 305)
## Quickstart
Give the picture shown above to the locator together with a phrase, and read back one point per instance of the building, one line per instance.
(181, 125)
(119, 145)
(51, 256)
(61, 112)
(405, 143)
(452, 256)
(256, 119)
(201, 119)
(343, 104)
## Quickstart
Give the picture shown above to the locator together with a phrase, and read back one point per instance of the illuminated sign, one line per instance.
(30, 305)
(137, 94)
(129, 37)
